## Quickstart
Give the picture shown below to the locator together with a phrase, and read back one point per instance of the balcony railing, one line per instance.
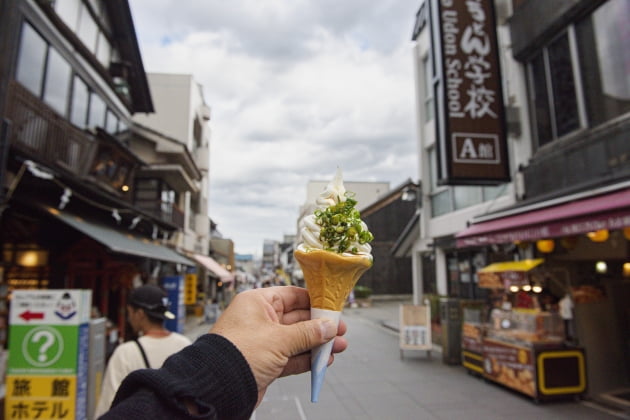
(164, 211)
(597, 156)
(44, 135)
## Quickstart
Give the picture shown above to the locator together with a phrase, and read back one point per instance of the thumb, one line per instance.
(303, 336)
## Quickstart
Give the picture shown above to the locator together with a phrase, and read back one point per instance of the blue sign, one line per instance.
(174, 287)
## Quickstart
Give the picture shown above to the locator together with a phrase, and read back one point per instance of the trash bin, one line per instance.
(451, 320)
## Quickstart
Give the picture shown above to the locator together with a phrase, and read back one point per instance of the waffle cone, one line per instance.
(330, 277)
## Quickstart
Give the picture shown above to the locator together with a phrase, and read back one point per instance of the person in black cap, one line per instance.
(146, 311)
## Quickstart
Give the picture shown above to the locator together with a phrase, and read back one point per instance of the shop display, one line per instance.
(523, 348)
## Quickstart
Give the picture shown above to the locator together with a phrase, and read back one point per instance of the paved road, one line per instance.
(370, 381)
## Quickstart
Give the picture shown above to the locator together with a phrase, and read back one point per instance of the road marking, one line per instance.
(299, 407)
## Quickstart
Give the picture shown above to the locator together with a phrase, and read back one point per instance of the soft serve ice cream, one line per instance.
(335, 252)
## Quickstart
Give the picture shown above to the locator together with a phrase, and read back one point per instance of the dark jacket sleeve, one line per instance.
(211, 372)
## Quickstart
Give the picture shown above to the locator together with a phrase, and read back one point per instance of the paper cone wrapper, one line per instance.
(321, 354)
(329, 278)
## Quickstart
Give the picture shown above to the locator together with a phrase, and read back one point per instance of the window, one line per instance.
(605, 61)
(97, 111)
(57, 84)
(110, 167)
(156, 196)
(563, 86)
(122, 126)
(197, 132)
(68, 11)
(581, 78)
(494, 191)
(111, 123)
(88, 30)
(80, 96)
(554, 92)
(428, 89)
(466, 196)
(445, 199)
(103, 50)
(31, 59)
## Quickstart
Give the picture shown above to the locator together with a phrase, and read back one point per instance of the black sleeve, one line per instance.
(211, 372)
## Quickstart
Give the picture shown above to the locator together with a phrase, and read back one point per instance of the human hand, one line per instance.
(273, 330)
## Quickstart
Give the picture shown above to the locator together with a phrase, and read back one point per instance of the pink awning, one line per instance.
(216, 268)
(608, 211)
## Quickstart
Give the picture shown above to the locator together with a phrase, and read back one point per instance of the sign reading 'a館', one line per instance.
(471, 135)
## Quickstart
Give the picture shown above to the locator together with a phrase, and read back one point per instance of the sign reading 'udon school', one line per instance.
(470, 125)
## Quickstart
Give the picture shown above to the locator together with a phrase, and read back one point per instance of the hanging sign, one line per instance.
(471, 135)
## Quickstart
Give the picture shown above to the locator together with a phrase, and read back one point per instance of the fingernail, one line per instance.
(329, 329)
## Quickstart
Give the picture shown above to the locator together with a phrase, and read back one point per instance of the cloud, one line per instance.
(296, 88)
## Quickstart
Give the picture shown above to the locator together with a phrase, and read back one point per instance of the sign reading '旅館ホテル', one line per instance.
(471, 129)
(47, 367)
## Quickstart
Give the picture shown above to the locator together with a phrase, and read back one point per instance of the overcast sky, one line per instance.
(296, 89)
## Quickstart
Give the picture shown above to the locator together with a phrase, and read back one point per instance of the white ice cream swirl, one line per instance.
(334, 227)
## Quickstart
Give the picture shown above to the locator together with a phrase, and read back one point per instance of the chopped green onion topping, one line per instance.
(341, 226)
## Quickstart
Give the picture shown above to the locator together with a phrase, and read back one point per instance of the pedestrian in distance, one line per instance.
(146, 312)
(262, 335)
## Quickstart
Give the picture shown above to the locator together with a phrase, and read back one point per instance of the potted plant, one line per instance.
(363, 296)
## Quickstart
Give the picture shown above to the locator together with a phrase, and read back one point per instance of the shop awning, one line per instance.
(607, 211)
(504, 274)
(215, 267)
(119, 242)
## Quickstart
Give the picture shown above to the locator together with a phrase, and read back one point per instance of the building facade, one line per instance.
(566, 84)
(387, 218)
(80, 207)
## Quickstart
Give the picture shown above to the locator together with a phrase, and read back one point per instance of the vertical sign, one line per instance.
(471, 136)
(48, 349)
(174, 287)
(190, 289)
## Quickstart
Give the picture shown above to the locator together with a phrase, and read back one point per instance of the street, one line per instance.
(370, 381)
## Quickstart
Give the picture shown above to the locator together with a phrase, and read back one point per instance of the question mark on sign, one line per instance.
(49, 340)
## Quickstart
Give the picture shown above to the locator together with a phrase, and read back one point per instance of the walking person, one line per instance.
(146, 312)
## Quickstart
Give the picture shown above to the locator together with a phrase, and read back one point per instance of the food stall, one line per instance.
(518, 344)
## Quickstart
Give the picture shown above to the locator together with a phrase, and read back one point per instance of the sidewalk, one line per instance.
(384, 313)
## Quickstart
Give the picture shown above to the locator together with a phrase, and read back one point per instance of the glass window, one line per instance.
(88, 30)
(111, 124)
(432, 157)
(494, 191)
(104, 50)
(563, 86)
(540, 100)
(31, 58)
(80, 95)
(97, 111)
(605, 61)
(466, 196)
(428, 89)
(122, 126)
(57, 85)
(441, 203)
(68, 11)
